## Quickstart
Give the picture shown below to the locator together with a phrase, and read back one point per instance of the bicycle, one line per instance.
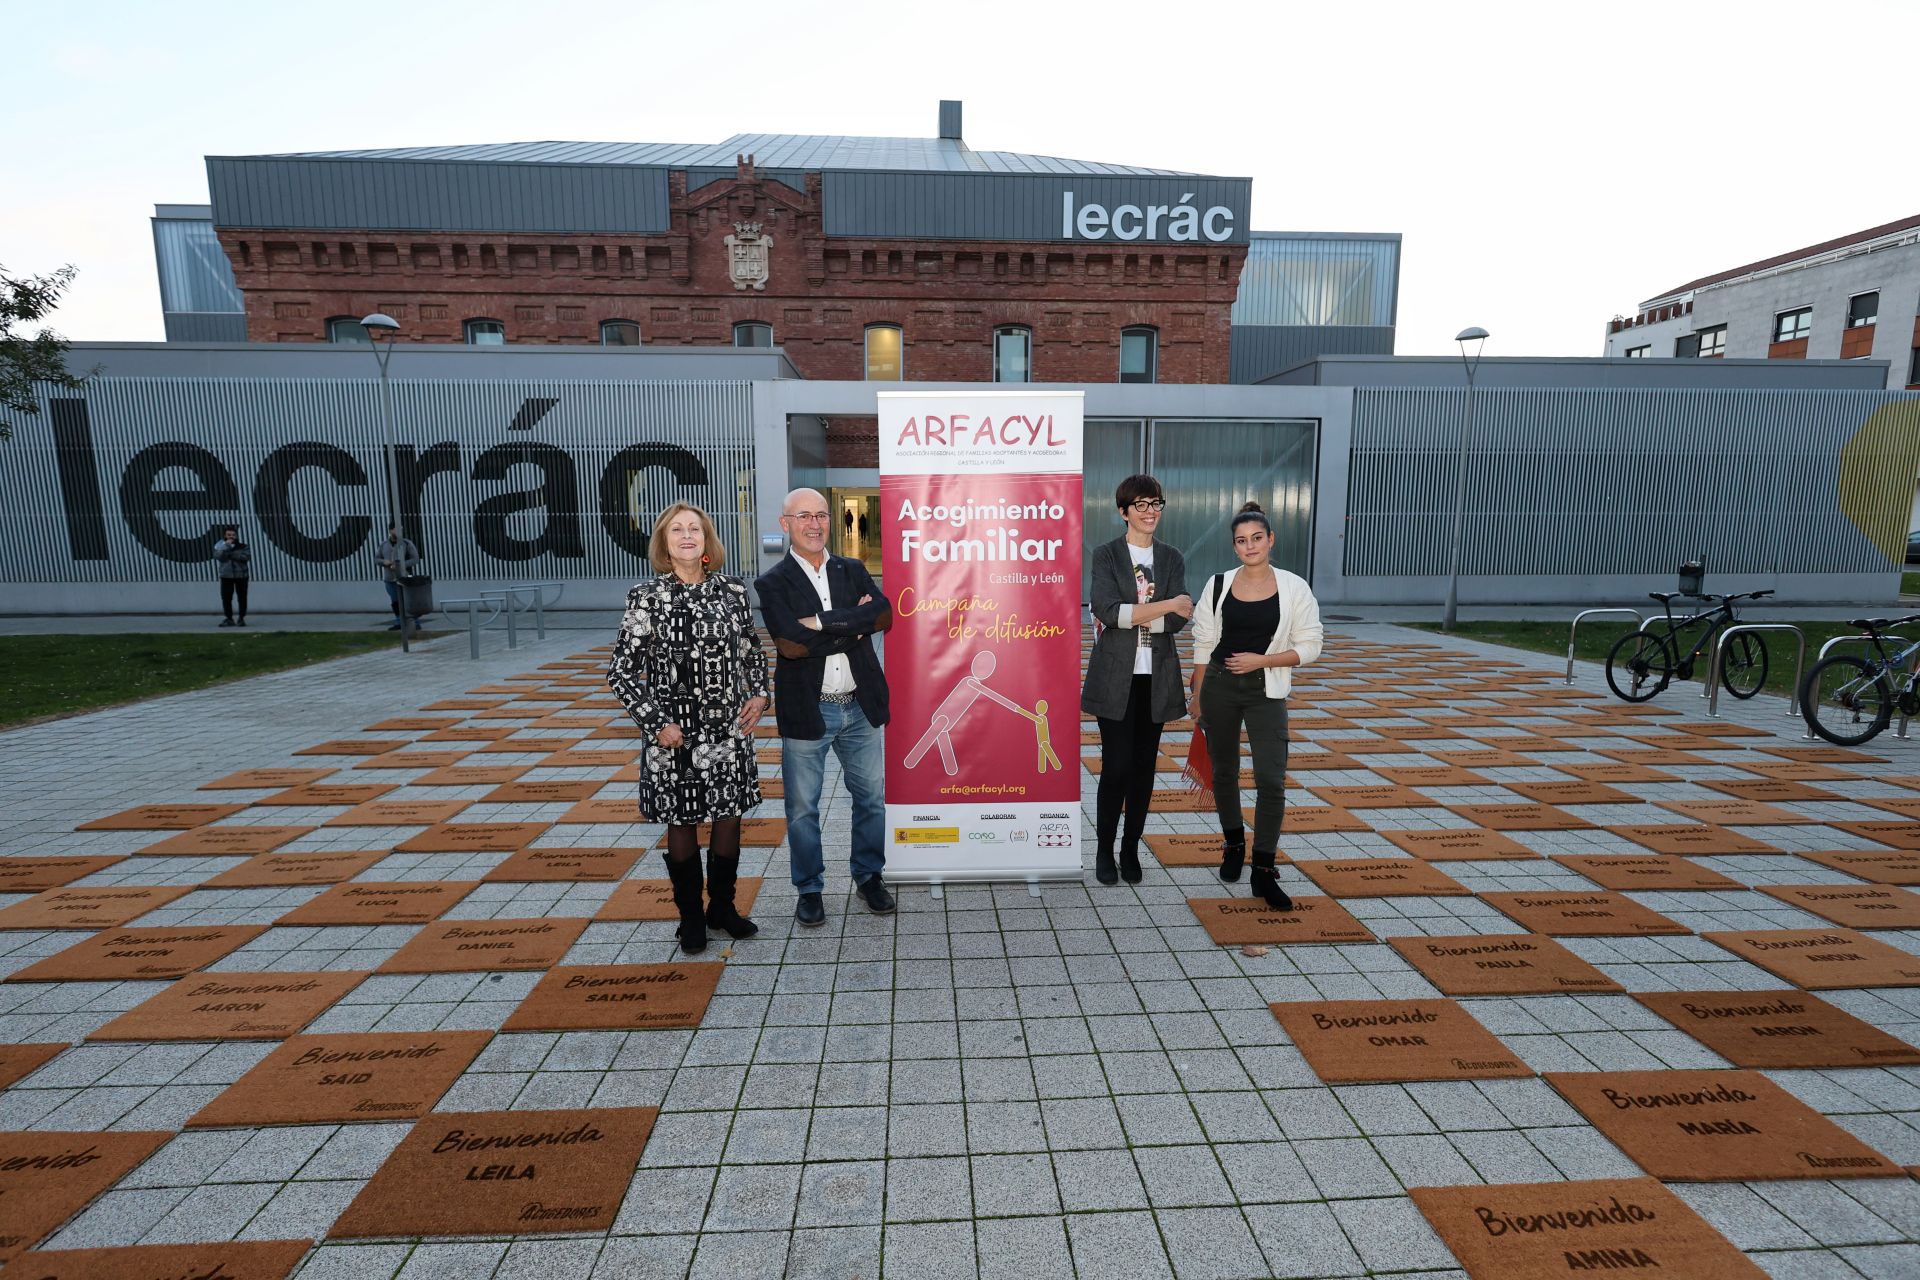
(1642, 663)
(1855, 696)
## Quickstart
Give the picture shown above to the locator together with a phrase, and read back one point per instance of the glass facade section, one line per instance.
(194, 272)
(1012, 355)
(884, 345)
(1318, 280)
(1789, 325)
(1713, 342)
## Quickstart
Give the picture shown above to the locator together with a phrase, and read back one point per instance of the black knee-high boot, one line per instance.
(723, 872)
(1266, 884)
(685, 874)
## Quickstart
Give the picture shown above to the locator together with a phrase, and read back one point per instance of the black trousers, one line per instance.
(1128, 750)
(229, 589)
(1227, 701)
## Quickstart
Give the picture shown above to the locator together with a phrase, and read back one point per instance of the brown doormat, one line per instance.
(1617, 773)
(30, 875)
(1716, 1126)
(1433, 775)
(1648, 871)
(1519, 817)
(254, 779)
(398, 813)
(18, 1061)
(598, 758)
(1382, 878)
(1898, 835)
(381, 902)
(653, 899)
(1529, 742)
(235, 1260)
(1689, 837)
(1382, 1041)
(103, 907)
(232, 1006)
(1735, 813)
(1312, 819)
(1181, 800)
(1823, 959)
(545, 792)
(222, 842)
(1393, 796)
(46, 1178)
(413, 760)
(468, 946)
(473, 837)
(270, 869)
(770, 788)
(1502, 964)
(593, 811)
(162, 817)
(1327, 761)
(567, 863)
(1234, 922)
(618, 997)
(473, 775)
(1849, 906)
(413, 724)
(1654, 755)
(1582, 915)
(1901, 866)
(1905, 806)
(503, 1173)
(755, 833)
(1538, 1230)
(1578, 791)
(1187, 849)
(1483, 758)
(353, 747)
(361, 1075)
(1772, 790)
(1778, 1029)
(340, 793)
(1824, 755)
(1460, 844)
(1804, 771)
(125, 954)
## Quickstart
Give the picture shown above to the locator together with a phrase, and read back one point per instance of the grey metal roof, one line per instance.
(813, 152)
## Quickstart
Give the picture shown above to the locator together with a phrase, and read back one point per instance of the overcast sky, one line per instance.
(1549, 165)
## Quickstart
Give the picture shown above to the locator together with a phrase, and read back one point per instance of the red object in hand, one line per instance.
(1199, 771)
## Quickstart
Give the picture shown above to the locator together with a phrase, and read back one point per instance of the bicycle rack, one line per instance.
(1900, 731)
(1799, 666)
(474, 621)
(509, 598)
(1574, 630)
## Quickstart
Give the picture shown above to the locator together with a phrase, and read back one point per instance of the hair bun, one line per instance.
(1253, 507)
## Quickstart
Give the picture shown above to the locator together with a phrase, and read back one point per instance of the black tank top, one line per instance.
(1246, 626)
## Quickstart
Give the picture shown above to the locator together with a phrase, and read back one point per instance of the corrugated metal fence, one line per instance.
(1606, 482)
(131, 480)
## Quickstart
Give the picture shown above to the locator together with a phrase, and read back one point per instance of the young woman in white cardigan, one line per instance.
(1251, 626)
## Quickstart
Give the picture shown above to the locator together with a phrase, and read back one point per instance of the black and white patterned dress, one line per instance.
(688, 655)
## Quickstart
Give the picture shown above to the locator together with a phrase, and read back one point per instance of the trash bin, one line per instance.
(1693, 576)
(416, 595)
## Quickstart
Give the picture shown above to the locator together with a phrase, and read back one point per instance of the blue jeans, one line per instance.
(393, 597)
(803, 763)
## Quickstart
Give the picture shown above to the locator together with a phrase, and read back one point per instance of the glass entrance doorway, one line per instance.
(855, 515)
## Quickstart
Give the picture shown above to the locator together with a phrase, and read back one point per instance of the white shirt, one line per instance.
(839, 677)
(1143, 655)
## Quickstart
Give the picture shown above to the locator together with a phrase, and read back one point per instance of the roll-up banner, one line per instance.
(980, 499)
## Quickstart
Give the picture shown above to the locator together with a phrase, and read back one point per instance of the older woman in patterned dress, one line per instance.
(690, 670)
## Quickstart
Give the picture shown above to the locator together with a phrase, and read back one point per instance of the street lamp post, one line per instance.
(1478, 337)
(381, 329)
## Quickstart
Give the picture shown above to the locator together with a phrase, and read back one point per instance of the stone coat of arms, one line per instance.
(748, 256)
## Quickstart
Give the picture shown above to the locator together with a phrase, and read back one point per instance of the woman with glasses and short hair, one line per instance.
(1133, 686)
(1251, 627)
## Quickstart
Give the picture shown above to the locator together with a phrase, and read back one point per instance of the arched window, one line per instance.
(886, 348)
(619, 333)
(1139, 353)
(346, 329)
(486, 333)
(752, 333)
(1013, 354)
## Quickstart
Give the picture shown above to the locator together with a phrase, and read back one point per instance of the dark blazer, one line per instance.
(786, 596)
(1110, 667)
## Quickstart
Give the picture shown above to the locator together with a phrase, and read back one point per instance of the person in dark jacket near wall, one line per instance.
(828, 694)
(398, 558)
(235, 560)
(1139, 595)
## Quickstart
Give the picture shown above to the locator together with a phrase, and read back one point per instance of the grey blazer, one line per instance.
(1110, 668)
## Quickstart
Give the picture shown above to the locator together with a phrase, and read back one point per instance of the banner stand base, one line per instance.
(936, 885)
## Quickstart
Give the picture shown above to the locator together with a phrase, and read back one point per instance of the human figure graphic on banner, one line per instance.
(958, 702)
(1043, 739)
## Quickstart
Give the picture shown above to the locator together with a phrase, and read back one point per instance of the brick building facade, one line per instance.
(821, 294)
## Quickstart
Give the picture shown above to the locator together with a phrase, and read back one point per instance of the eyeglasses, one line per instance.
(1146, 505)
(807, 517)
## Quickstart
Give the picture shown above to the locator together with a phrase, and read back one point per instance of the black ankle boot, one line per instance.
(1103, 868)
(1130, 864)
(1233, 855)
(692, 932)
(1266, 884)
(722, 874)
